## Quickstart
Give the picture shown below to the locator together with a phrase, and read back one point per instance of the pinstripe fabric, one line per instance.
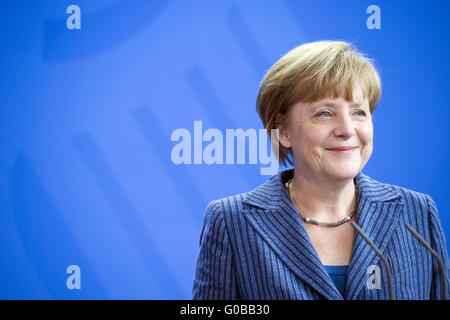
(254, 246)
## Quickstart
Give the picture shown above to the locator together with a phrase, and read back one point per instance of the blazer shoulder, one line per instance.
(230, 205)
(413, 196)
(415, 201)
(376, 186)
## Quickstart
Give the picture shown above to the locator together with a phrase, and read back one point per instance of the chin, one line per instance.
(345, 173)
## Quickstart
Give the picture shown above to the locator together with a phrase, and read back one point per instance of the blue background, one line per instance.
(86, 176)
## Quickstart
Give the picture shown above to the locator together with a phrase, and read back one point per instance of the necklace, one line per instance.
(308, 220)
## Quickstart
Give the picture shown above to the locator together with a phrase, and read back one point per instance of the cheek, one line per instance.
(308, 139)
(366, 135)
(308, 143)
(366, 139)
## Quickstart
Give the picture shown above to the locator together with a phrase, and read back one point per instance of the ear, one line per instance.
(283, 136)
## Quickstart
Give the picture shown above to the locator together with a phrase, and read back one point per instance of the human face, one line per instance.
(318, 131)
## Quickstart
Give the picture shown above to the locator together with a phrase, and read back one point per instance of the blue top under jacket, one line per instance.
(338, 274)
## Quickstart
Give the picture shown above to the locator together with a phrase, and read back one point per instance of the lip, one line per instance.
(342, 149)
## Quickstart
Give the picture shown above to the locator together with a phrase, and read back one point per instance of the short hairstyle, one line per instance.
(309, 73)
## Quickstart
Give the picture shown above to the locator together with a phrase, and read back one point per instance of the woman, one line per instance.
(292, 238)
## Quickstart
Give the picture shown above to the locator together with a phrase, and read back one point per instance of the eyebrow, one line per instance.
(332, 105)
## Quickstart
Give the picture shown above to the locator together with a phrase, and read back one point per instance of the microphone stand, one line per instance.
(383, 258)
(435, 254)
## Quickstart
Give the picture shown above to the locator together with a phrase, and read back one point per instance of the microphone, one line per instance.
(383, 258)
(436, 255)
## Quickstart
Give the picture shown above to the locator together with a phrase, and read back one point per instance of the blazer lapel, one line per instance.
(276, 220)
(379, 208)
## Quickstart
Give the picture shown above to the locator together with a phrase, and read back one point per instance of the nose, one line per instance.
(345, 127)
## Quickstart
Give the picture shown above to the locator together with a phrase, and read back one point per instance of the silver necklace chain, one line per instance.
(308, 220)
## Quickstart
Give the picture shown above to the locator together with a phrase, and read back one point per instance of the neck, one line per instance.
(323, 199)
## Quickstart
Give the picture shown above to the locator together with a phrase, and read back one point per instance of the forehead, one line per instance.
(358, 99)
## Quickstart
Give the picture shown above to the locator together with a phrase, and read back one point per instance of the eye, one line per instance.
(361, 113)
(324, 114)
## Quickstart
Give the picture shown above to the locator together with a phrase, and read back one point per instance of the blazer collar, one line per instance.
(275, 218)
(269, 195)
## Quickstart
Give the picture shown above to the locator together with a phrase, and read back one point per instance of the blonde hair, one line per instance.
(309, 73)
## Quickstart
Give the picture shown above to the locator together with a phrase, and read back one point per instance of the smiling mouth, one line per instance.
(342, 150)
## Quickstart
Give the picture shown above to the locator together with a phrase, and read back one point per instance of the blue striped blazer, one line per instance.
(254, 246)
